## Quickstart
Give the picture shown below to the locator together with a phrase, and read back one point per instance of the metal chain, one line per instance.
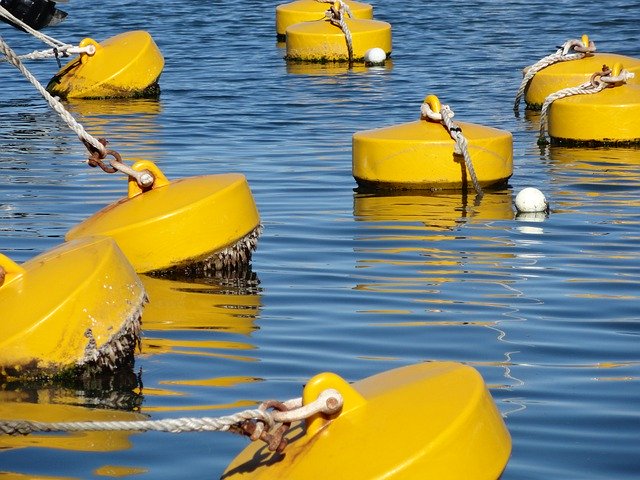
(248, 422)
(445, 117)
(97, 147)
(336, 16)
(3, 274)
(598, 82)
(561, 55)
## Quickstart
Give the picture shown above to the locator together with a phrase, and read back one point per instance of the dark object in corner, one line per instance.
(35, 13)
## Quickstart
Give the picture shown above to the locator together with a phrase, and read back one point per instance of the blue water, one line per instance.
(344, 281)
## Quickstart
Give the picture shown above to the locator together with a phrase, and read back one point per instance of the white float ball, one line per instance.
(375, 56)
(531, 200)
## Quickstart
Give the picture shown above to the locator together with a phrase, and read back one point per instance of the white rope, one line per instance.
(53, 102)
(336, 16)
(561, 55)
(64, 51)
(598, 82)
(329, 401)
(461, 147)
(39, 35)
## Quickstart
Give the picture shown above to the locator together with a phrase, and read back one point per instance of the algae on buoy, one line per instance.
(88, 323)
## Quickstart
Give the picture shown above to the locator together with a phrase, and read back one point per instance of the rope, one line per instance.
(598, 82)
(63, 51)
(97, 148)
(329, 401)
(445, 117)
(336, 16)
(561, 55)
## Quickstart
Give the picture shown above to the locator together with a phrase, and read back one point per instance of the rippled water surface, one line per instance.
(345, 281)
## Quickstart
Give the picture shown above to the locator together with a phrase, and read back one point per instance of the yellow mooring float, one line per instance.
(430, 420)
(89, 322)
(568, 73)
(336, 38)
(422, 154)
(127, 65)
(309, 10)
(191, 226)
(603, 111)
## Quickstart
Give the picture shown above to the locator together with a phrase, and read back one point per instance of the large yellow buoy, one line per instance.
(421, 155)
(191, 226)
(431, 420)
(322, 41)
(127, 65)
(309, 10)
(570, 73)
(609, 116)
(77, 306)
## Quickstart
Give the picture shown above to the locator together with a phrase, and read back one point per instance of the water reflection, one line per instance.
(335, 68)
(66, 405)
(205, 320)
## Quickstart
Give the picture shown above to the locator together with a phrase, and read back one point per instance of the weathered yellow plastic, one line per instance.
(53, 299)
(430, 420)
(44, 411)
(127, 65)
(420, 155)
(572, 73)
(309, 10)
(176, 223)
(609, 116)
(320, 41)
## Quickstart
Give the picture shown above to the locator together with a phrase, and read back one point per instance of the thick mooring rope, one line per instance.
(96, 147)
(598, 82)
(570, 50)
(53, 102)
(445, 116)
(329, 401)
(336, 15)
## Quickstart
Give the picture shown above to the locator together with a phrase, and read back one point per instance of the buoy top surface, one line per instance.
(176, 198)
(324, 27)
(428, 131)
(590, 64)
(620, 97)
(312, 6)
(431, 420)
(88, 270)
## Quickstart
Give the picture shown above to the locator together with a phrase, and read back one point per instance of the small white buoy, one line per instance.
(531, 200)
(375, 56)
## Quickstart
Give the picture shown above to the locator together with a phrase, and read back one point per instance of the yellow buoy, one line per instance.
(421, 155)
(127, 65)
(321, 41)
(431, 420)
(192, 226)
(611, 116)
(90, 320)
(571, 73)
(309, 10)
